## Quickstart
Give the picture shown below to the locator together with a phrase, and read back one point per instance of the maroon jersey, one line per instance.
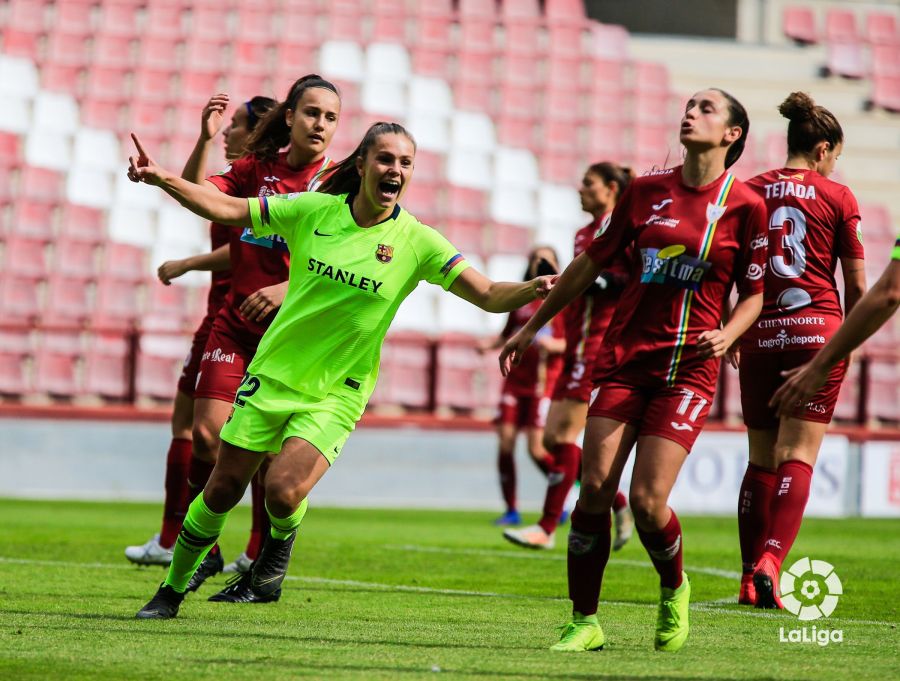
(536, 373)
(259, 262)
(690, 246)
(588, 316)
(812, 222)
(219, 235)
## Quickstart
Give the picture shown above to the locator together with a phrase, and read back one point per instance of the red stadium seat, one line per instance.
(840, 26)
(503, 238)
(465, 379)
(26, 15)
(209, 22)
(344, 25)
(41, 184)
(205, 56)
(800, 25)
(115, 304)
(607, 74)
(56, 363)
(125, 262)
(476, 36)
(424, 202)
(605, 141)
(565, 12)
(518, 101)
(566, 40)
(25, 257)
(82, 223)
(473, 96)
(154, 85)
(159, 53)
(164, 19)
(886, 60)
(886, 92)
(255, 24)
(651, 77)
(21, 43)
(114, 50)
(108, 83)
(881, 29)
(63, 78)
(561, 167)
(20, 297)
(468, 235)
(119, 18)
(68, 49)
(75, 16)
(250, 57)
(560, 136)
(167, 309)
(106, 365)
(159, 364)
(876, 221)
(846, 59)
(475, 67)
(404, 377)
(68, 300)
(521, 69)
(76, 258)
(520, 11)
(847, 407)
(10, 153)
(466, 204)
(435, 8)
(196, 87)
(523, 38)
(147, 119)
(431, 61)
(31, 219)
(15, 351)
(477, 9)
(389, 28)
(518, 131)
(105, 115)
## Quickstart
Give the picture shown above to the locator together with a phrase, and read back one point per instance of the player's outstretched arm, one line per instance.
(203, 200)
(214, 261)
(211, 119)
(498, 296)
(871, 312)
(580, 274)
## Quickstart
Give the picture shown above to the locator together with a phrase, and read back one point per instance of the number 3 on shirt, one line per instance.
(249, 385)
(792, 222)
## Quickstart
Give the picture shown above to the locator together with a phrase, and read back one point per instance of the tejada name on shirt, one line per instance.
(323, 269)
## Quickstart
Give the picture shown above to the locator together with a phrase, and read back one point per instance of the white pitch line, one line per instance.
(528, 554)
(699, 606)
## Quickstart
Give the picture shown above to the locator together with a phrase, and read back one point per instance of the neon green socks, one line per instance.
(198, 535)
(283, 527)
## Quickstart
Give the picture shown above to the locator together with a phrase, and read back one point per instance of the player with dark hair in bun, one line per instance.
(691, 230)
(585, 319)
(158, 549)
(813, 225)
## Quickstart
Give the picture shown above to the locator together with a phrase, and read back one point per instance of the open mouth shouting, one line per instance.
(388, 190)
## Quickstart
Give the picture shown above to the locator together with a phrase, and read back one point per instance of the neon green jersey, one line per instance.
(345, 285)
(895, 254)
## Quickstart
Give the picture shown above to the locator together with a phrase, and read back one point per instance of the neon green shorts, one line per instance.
(266, 413)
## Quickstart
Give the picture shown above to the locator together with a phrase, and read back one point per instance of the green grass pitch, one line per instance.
(418, 595)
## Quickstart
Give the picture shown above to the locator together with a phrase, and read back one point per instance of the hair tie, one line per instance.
(251, 117)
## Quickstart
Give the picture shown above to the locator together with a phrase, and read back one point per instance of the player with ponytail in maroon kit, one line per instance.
(525, 395)
(586, 319)
(158, 549)
(813, 224)
(691, 229)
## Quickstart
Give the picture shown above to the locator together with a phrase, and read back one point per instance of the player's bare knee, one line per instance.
(282, 499)
(206, 442)
(648, 509)
(223, 492)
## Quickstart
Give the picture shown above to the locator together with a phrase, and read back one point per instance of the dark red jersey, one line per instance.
(259, 262)
(812, 222)
(536, 374)
(690, 246)
(219, 235)
(588, 316)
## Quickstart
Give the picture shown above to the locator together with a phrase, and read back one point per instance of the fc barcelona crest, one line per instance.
(384, 253)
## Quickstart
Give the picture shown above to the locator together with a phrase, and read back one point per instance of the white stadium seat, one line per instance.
(469, 169)
(97, 149)
(15, 115)
(559, 203)
(513, 206)
(432, 132)
(384, 97)
(341, 59)
(48, 149)
(135, 194)
(89, 187)
(419, 311)
(55, 111)
(431, 96)
(516, 168)
(387, 61)
(132, 225)
(472, 131)
(18, 78)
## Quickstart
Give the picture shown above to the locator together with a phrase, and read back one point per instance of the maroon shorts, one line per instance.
(676, 413)
(575, 382)
(760, 377)
(224, 361)
(187, 382)
(522, 411)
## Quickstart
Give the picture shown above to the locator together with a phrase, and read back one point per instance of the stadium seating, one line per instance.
(800, 25)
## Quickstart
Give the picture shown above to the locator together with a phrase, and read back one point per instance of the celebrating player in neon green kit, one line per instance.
(356, 256)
